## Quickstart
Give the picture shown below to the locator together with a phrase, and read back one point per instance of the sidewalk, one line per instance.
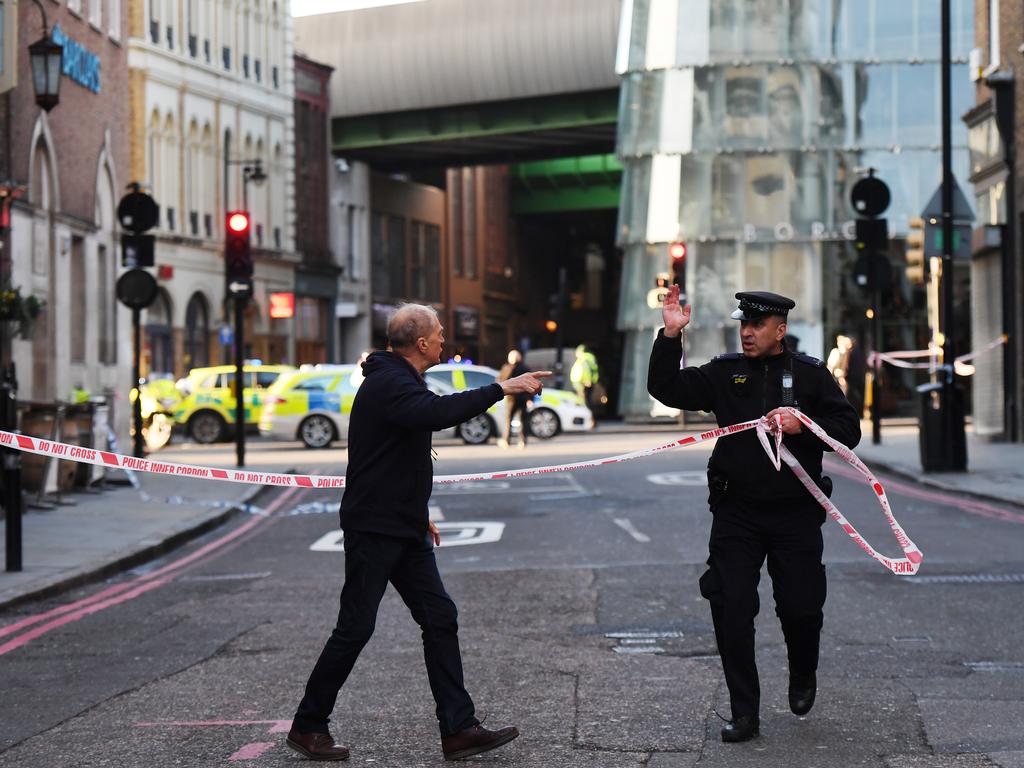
(100, 533)
(108, 531)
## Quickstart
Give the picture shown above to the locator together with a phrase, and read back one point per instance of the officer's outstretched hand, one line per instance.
(674, 316)
(527, 384)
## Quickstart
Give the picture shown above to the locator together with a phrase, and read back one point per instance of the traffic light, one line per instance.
(872, 235)
(237, 252)
(916, 262)
(677, 264)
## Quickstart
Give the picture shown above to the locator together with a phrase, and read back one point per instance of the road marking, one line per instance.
(625, 524)
(229, 576)
(691, 478)
(452, 535)
(128, 590)
(252, 751)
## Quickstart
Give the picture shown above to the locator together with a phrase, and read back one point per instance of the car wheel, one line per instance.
(316, 431)
(157, 433)
(207, 427)
(544, 423)
(477, 430)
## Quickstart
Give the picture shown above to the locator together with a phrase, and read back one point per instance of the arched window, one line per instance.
(106, 303)
(169, 182)
(197, 332)
(208, 172)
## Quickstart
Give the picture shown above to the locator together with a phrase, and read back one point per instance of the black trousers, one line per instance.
(371, 561)
(743, 534)
(514, 405)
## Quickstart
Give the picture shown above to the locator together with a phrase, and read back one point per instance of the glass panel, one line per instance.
(831, 118)
(442, 377)
(875, 105)
(789, 99)
(917, 99)
(855, 30)
(894, 29)
(264, 379)
(726, 195)
(746, 110)
(318, 384)
(636, 182)
(695, 195)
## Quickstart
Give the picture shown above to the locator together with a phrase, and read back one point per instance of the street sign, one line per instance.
(240, 288)
(870, 196)
(226, 335)
(138, 212)
(136, 289)
(961, 240)
(962, 213)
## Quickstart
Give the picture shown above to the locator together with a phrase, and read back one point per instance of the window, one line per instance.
(78, 301)
(105, 307)
(317, 384)
(444, 378)
(475, 379)
(993, 33)
(197, 332)
(96, 13)
(114, 18)
(264, 379)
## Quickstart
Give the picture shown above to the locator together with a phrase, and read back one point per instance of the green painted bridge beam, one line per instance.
(474, 121)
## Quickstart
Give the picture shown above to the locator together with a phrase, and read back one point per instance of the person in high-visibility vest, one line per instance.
(584, 374)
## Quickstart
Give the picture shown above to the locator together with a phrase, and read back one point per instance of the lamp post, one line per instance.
(47, 59)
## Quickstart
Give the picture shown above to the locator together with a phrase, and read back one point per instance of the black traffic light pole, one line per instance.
(876, 344)
(138, 444)
(239, 302)
(951, 415)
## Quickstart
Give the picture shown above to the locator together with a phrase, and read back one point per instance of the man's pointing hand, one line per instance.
(528, 383)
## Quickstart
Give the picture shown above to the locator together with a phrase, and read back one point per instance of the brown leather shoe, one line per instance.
(475, 740)
(316, 746)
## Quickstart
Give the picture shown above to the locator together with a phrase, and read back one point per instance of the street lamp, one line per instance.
(47, 59)
(251, 171)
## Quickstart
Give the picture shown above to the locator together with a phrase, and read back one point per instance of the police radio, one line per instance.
(787, 389)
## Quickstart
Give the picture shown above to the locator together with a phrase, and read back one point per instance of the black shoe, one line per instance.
(474, 740)
(802, 689)
(742, 728)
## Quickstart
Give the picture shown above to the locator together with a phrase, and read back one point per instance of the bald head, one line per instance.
(409, 323)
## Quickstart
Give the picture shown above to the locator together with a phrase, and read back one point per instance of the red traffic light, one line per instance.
(677, 251)
(238, 222)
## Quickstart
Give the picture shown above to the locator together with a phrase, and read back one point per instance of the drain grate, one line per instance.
(969, 578)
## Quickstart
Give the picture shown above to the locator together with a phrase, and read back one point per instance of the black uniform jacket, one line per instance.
(390, 469)
(737, 389)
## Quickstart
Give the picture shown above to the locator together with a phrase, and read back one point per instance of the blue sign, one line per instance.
(227, 335)
(80, 64)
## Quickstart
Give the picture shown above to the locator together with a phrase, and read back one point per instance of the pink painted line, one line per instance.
(276, 726)
(252, 751)
(32, 634)
(939, 497)
(105, 598)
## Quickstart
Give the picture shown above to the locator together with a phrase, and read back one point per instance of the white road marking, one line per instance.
(452, 535)
(689, 478)
(625, 524)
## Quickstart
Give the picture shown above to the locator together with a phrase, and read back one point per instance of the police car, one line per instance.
(208, 405)
(314, 403)
(551, 412)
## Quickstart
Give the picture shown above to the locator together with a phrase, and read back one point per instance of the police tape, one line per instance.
(899, 358)
(909, 564)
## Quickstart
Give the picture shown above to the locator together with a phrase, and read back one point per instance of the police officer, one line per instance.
(759, 512)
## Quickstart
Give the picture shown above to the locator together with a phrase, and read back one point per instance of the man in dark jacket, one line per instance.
(758, 511)
(389, 536)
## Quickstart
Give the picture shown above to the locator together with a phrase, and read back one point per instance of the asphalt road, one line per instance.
(580, 622)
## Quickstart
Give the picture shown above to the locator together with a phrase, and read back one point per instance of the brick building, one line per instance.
(73, 165)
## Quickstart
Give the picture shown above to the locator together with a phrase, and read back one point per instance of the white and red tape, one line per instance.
(908, 564)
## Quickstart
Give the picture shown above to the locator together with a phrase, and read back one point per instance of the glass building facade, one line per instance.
(743, 125)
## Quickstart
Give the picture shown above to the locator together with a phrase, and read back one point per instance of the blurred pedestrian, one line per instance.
(389, 537)
(759, 512)
(514, 404)
(584, 375)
